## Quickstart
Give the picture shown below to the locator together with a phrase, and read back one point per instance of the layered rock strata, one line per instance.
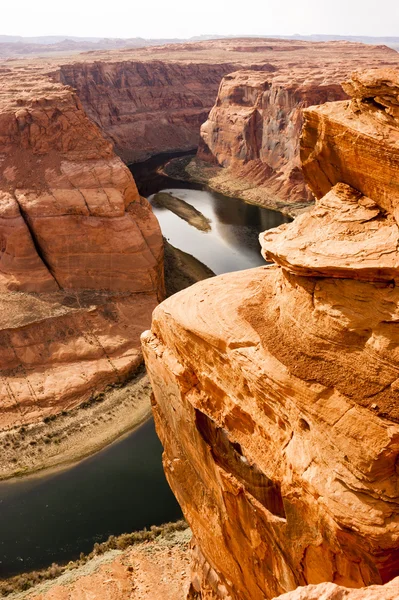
(146, 108)
(80, 254)
(276, 388)
(153, 100)
(251, 137)
(253, 131)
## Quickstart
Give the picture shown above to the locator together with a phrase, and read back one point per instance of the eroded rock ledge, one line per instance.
(276, 388)
(80, 254)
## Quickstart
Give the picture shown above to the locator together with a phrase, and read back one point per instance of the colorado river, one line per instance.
(54, 518)
(232, 242)
(123, 488)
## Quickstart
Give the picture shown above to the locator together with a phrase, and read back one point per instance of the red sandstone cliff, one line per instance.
(76, 243)
(252, 131)
(156, 99)
(146, 108)
(276, 388)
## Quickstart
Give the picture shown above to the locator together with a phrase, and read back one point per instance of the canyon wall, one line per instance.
(80, 254)
(154, 100)
(253, 132)
(146, 108)
(275, 389)
(249, 145)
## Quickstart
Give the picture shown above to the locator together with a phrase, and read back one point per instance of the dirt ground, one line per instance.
(156, 570)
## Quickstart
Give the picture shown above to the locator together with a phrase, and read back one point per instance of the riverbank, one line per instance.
(62, 440)
(182, 269)
(145, 564)
(221, 180)
(70, 436)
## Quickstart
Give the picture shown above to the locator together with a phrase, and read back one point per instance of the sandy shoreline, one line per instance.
(76, 434)
(61, 441)
(182, 209)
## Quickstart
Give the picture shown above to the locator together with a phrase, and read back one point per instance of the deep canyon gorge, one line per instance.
(275, 388)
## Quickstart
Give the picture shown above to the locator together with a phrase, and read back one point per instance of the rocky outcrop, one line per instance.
(334, 133)
(276, 388)
(330, 591)
(80, 254)
(253, 130)
(250, 143)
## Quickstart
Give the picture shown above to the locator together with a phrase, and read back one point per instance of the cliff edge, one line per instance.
(81, 254)
(275, 389)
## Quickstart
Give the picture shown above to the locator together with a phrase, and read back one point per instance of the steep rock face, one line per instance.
(249, 145)
(76, 243)
(147, 107)
(153, 100)
(276, 392)
(78, 200)
(255, 125)
(334, 133)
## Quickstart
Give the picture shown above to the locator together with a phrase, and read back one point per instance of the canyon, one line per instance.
(249, 145)
(81, 253)
(276, 388)
(153, 100)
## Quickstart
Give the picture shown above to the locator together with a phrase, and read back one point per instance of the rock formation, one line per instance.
(154, 100)
(252, 131)
(80, 254)
(147, 107)
(275, 389)
(330, 591)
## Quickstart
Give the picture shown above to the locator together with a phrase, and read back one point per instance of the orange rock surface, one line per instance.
(77, 243)
(333, 134)
(347, 235)
(276, 388)
(330, 591)
(254, 127)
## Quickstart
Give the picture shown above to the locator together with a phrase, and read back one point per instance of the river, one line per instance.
(52, 518)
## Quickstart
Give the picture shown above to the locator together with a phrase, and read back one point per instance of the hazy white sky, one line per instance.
(186, 18)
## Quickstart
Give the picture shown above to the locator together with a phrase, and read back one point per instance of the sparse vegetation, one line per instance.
(79, 431)
(23, 582)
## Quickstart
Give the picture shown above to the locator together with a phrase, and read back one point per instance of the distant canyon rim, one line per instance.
(81, 253)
